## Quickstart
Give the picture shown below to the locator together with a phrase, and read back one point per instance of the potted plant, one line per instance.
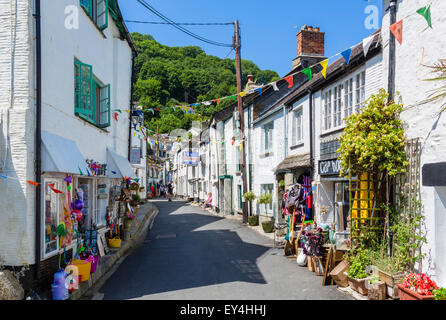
(249, 197)
(136, 199)
(266, 199)
(417, 287)
(282, 184)
(440, 294)
(358, 260)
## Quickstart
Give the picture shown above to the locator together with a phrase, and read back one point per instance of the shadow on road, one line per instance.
(175, 255)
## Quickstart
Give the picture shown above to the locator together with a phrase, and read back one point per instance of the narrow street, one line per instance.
(191, 254)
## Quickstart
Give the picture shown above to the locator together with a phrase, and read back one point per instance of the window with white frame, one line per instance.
(327, 110)
(297, 126)
(337, 106)
(51, 217)
(267, 188)
(267, 137)
(348, 98)
(360, 91)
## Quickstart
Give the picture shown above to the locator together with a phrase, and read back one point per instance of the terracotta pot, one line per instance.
(358, 285)
(407, 294)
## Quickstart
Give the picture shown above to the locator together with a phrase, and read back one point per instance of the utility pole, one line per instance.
(238, 68)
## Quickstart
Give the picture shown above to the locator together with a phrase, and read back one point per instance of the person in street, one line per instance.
(152, 188)
(169, 191)
(208, 202)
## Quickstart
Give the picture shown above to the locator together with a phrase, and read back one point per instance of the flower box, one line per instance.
(391, 281)
(358, 285)
(253, 220)
(268, 226)
(407, 294)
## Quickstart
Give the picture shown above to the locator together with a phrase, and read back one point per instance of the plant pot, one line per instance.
(128, 223)
(268, 226)
(407, 294)
(377, 291)
(310, 264)
(253, 220)
(391, 281)
(358, 285)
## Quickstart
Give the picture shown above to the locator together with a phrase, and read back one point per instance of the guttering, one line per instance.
(38, 155)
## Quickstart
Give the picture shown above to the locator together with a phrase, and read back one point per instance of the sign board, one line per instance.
(330, 167)
(135, 155)
(191, 158)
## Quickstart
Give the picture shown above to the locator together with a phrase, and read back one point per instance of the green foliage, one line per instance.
(440, 294)
(249, 196)
(439, 94)
(374, 279)
(266, 198)
(373, 140)
(409, 234)
(282, 183)
(385, 263)
(168, 76)
(358, 260)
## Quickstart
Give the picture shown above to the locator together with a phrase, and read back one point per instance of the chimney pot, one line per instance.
(316, 29)
(310, 28)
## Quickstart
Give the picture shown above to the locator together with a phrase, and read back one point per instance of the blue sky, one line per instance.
(268, 28)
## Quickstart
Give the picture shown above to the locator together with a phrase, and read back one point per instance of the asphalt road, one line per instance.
(190, 254)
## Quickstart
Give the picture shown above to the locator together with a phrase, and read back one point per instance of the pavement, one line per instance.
(195, 255)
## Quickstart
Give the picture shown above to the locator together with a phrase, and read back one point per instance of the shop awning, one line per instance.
(118, 166)
(293, 162)
(61, 155)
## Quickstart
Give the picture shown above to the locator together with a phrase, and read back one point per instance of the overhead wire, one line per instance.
(183, 23)
(176, 25)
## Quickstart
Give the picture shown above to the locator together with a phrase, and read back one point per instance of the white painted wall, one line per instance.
(422, 120)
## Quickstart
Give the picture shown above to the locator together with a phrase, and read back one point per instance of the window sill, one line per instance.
(94, 23)
(332, 131)
(91, 124)
(297, 145)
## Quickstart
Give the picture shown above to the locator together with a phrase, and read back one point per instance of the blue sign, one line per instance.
(190, 158)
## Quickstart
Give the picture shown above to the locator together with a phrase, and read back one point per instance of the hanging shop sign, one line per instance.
(96, 168)
(191, 158)
(330, 167)
(135, 155)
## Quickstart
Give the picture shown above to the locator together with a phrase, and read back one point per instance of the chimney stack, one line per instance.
(310, 46)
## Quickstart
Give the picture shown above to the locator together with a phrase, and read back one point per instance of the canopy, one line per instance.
(119, 166)
(61, 155)
(293, 162)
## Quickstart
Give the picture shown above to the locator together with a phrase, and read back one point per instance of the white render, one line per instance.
(111, 60)
(422, 120)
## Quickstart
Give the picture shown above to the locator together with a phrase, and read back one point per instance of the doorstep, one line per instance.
(145, 217)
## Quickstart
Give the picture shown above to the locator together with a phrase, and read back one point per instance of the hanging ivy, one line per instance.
(373, 140)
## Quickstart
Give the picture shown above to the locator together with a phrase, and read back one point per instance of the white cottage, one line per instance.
(66, 69)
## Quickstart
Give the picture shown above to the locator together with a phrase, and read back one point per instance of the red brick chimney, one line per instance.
(310, 46)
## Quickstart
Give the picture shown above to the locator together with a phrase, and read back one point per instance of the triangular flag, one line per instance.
(259, 90)
(217, 100)
(80, 171)
(426, 13)
(119, 110)
(397, 30)
(233, 98)
(115, 115)
(289, 79)
(32, 182)
(51, 185)
(207, 103)
(324, 65)
(346, 54)
(242, 93)
(274, 84)
(307, 71)
(366, 44)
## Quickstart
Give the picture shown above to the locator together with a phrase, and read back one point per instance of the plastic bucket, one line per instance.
(114, 243)
(59, 292)
(84, 268)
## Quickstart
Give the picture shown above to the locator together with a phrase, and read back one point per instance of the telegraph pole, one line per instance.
(238, 68)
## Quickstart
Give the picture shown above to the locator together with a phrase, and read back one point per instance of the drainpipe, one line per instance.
(38, 156)
(285, 137)
(311, 142)
(131, 104)
(391, 76)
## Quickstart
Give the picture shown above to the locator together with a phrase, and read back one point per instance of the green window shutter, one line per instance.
(104, 107)
(87, 5)
(102, 14)
(83, 83)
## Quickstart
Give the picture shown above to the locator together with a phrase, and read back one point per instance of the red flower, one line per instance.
(420, 283)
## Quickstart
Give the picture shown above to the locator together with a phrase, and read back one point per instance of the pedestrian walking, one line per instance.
(169, 191)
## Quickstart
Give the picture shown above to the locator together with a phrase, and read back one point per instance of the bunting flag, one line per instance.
(32, 182)
(307, 71)
(80, 171)
(259, 90)
(289, 79)
(51, 185)
(274, 84)
(366, 43)
(324, 65)
(157, 109)
(207, 103)
(151, 110)
(67, 179)
(233, 98)
(217, 100)
(115, 116)
(242, 93)
(397, 31)
(118, 110)
(4, 177)
(346, 54)
(426, 13)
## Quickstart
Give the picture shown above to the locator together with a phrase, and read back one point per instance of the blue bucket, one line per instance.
(59, 292)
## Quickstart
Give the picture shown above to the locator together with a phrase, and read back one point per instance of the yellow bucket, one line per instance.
(83, 269)
(115, 242)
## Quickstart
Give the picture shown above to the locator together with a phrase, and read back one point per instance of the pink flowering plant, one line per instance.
(420, 283)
